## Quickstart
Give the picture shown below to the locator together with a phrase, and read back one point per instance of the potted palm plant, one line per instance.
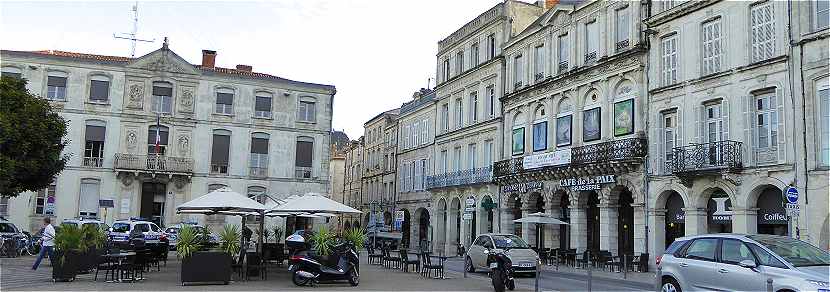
(93, 241)
(69, 244)
(229, 240)
(202, 266)
(355, 237)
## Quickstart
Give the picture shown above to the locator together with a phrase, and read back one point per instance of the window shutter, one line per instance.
(304, 153)
(678, 132)
(259, 145)
(750, 128)
(56, 81)
(700, 121)
(96, 133)
(725, 117)
(162, 91)
(661, 144)
(221, 147)
(781, 127)
(99, 90)
(224, 98)
(263, 104)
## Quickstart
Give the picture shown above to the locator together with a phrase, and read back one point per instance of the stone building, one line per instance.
(468, 131)
(216, 127)
(379, 178)
(809, 60)
(727, 136)
(353, 195)
(337, 171)
(579, 71)
(415, 163)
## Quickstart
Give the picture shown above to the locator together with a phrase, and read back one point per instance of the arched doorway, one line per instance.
(675, 218)
(455, 219)
(772, 218)
(516, 209)
(387, 219)
(625, 223)
(592, 218)
(405, 228)
(441, 225)
(719, 212)
(423, 228)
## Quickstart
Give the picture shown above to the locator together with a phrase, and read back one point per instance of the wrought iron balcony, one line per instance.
(621, 45)
(563, 67)
(94, 161)
(539, 76)
(589, 57)
(706, 157)
(597, 157)
(460, 178)
(153, 163)
(517, 85)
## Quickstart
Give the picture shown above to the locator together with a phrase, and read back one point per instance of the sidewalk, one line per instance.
(646, 278)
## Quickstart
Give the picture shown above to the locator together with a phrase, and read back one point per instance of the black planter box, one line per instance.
(65, 265)
(206, 267)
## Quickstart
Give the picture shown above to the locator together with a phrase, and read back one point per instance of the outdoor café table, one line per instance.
(119, 257)
(443, 258)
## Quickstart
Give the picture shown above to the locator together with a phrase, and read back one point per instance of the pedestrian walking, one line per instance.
(47, 242)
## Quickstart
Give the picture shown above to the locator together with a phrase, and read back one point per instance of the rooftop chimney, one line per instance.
(208, 59)
(246, 68)
(550, 3)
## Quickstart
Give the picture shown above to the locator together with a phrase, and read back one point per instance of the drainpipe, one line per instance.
(646, 171)
(803, 110)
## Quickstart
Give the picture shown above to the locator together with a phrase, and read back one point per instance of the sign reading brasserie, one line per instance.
(558, 157)
(587, 183)
(522, 187)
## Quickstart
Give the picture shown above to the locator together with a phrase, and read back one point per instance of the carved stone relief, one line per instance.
(186, 99)
(163, 64)
(136, 99)
(132, 140)
(184, 145)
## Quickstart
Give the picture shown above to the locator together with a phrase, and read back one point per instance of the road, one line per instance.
(558, 281)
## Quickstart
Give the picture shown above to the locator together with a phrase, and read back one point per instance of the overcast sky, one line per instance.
(377, 53)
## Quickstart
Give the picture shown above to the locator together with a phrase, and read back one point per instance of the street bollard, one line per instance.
(625, 266)
(538, 267)
(769, 284)
(557, 259)
(465, 268)
(587, 260)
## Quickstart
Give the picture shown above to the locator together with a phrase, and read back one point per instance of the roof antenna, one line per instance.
(132, 36)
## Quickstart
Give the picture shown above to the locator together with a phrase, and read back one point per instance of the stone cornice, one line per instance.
(715, 76)
(676, 12)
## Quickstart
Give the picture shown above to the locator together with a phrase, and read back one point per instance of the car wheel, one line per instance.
(670, 285)
(468, 265)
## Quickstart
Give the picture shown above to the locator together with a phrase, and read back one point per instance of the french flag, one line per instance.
(158, 134)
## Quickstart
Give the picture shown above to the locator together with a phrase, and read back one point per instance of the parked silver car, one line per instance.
(737, 262)
(523, 258)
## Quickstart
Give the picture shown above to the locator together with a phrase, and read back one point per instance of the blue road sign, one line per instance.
(792, 195)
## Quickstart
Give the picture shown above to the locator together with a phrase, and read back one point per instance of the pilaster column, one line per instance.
(552, 231)
(506, 219)
(452, 232)
(640, 228)
(745, 220)
(528, 229)
(657, 230)
(439, 232)
(695, 221)
(578, 228)
(608, 229)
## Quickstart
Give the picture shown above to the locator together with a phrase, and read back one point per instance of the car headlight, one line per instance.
(821, 284)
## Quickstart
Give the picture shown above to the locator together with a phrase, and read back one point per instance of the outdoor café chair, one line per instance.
(406, 261)
(108, 266)
(427, 267)
(373, 258)
(239, 266)
(255, 263)
(391, 261)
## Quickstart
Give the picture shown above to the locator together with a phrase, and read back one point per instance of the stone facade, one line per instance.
(353, 195)
(112, 133)
(379, 178)
(415, 162)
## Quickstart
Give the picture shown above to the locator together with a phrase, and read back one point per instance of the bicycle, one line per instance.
(29, 244)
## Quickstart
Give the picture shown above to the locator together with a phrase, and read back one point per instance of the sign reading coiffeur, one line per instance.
(589, 183)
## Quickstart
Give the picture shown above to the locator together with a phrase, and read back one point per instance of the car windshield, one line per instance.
(509, 241)
(797, 252)
(121, 227)
(7, 228)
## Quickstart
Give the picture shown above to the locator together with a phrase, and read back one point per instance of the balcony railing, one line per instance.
(621, 45)
(539, 76)
(715, 156)
(517, 85)
(302, 172)
(611, 151)
(258, 171)
(563, 67)
(153, 163)
(93, 161)
(217, 167)
(460, 178)
(592, 56)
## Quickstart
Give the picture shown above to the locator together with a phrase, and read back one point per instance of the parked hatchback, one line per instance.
(737, 262)
(523, 258)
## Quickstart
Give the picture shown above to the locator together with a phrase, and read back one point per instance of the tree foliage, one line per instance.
(31, 139)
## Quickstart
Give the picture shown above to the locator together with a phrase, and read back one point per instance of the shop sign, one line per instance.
(720, 209)
(587, 183)
(467, 216)
(399, 216)
(50, 206)
(469, 209)
(522, 187)
(555, 158)
(771, 208)
(471, 202)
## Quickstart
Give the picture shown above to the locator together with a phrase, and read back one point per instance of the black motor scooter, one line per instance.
(342, 265)
(501, 270)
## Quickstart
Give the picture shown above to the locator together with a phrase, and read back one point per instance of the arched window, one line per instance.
(11, 71)
(564, 120)
(624, 97)
(262, 104)
(99, 88)
(591, 118)
(518, 134)
(257, 193)
(56, 85)
(307, 109)
(259, 155)
(224, 101)
(540, 130)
